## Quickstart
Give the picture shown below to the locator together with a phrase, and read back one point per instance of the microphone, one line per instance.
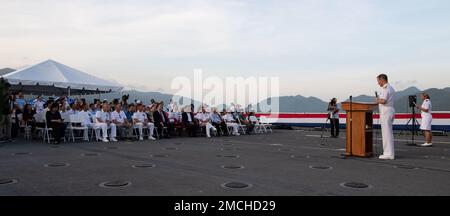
(376, 94)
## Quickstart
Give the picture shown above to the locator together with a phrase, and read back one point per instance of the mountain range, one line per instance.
(440, 99)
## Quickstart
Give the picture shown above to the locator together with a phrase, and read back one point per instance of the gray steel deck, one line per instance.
(273, 164)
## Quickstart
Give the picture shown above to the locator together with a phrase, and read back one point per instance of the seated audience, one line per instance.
(54, 121)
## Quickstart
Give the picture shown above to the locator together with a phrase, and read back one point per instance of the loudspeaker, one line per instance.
(412, 100)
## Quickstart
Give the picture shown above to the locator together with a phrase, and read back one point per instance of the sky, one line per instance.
(321, 48)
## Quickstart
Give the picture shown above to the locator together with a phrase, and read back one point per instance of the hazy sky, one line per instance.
(324, 48)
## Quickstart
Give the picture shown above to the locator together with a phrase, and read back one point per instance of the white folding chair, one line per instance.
(242, 127)
(24, 125)
(258, 127)
(45, 131)
(265, 123)
(75, 125)
(95, 129)
(228, 127)
(136, 130)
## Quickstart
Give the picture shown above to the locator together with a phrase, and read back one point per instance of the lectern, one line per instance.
(360, 128)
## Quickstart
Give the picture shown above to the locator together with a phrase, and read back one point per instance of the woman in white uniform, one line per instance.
(425, 125)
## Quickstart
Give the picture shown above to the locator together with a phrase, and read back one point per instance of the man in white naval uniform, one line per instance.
(387, 113)
(119, 118)
(141, 121)
(204, 119)
(231, 122)
(103, 122)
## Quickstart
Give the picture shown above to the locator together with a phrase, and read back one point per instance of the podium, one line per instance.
(360, 129)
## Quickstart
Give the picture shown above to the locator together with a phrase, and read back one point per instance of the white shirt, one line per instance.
(170, 107)
(72, 112)
(140, 116)
(104, 116)
(426, 105)
(387, 93)
(39, 106)
(177, 116)
(119, 117)
(189, 117)
(335, 115)
(87, 117)
(64, 115)
(203, 117)
(228, 118)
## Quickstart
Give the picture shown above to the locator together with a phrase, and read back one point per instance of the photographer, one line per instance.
(333, 115)
(124, 101)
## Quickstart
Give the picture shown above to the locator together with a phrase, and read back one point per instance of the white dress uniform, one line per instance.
(65, 116)
(202, 117)
(119, 117)
(105, 117)
(72, 112)
(39, 106)
(229, 120)
(177, 116)
(427, 118)
(140, 117)
(87, 118)
(387, 114)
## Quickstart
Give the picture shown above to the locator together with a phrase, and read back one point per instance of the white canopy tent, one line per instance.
(53, 78)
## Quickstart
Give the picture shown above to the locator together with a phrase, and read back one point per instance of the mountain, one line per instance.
(299, 104)
(134, 95)
(5, 71)
(440, 99)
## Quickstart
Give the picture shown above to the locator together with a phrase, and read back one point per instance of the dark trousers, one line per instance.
(250, 127)
(191, 128)
(58, 130)
(220, 127)
(160, 128)
(334, 127)
(15, 130)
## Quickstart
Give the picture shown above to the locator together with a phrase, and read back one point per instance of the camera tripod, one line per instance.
(324, 127)
(412, 125)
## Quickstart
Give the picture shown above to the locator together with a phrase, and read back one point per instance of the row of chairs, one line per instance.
(75, 126)
(261, 125)
(75, 123)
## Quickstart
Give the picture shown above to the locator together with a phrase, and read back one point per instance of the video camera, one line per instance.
(125, 97)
